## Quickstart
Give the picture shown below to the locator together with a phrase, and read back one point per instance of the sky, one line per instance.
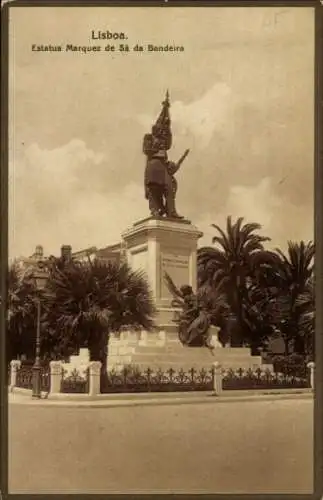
(242, 100)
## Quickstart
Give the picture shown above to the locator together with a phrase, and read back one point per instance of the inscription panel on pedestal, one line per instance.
(176, 264)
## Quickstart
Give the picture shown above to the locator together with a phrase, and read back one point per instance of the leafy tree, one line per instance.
(88, 300)
(240, 266)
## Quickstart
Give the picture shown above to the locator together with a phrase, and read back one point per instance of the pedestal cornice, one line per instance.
(153, 225)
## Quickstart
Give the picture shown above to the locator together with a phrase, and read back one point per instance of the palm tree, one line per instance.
(236, 264)
(297, 266)
(21, 318)
(306, 303)
(88, 300)
(295, 283)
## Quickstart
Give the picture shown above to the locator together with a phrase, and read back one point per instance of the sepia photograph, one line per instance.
(160, 311)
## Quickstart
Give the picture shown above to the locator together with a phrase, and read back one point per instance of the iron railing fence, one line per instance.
(134, 380)
(262, 379)
(75, 382)
(171, 380)
(25, 378)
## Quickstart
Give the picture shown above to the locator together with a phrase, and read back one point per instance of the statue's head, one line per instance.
(186, 290)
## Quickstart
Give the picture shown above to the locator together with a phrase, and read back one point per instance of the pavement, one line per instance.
(263, 447)
(142, 399)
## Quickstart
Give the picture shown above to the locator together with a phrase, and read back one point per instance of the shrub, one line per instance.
(293, 364)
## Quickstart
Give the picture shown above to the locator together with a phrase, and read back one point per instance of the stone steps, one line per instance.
(198, 357)
(178, 348)
(178, 356)
(171, 358)
(155, 352)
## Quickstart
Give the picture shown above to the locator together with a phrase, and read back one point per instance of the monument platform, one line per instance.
(161, 351)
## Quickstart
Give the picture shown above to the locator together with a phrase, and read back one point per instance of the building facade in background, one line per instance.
(112, 253)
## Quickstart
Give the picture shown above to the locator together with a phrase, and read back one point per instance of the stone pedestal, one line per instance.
(15, 365)
(94, 378)
(156, 246)
(217, 382)
(56, 368)
(311, 367)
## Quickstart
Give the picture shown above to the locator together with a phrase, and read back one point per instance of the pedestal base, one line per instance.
(163, 350)
(157, 246)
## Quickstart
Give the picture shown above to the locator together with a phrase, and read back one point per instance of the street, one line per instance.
(230, 447)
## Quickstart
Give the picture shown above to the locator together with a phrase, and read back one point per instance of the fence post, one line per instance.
(143, 337)
(311, 366)
(94, 377)
(217, 382)
(55, 377)
(15, 365)
(162, 336)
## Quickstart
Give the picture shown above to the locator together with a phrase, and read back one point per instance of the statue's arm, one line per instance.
(174, 167)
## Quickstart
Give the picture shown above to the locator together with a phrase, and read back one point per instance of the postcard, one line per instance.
(160, 312)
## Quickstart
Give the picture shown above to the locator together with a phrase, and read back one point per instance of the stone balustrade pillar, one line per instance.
(217, 382)
(94, 377)
(56, 370)
(15, 365)
(162, 336)
(143, 337)
(311, 367)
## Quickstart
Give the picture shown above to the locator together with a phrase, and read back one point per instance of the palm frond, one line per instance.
(175, 292)
(223, 241)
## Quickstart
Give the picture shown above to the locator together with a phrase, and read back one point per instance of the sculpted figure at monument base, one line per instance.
(194, 320)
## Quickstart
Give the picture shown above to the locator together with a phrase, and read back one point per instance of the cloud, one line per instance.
(52, 201)
(260, 203)
(254, 202)
(203, 117)
(200, 118)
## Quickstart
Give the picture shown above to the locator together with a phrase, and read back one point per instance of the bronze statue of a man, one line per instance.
(161, 185)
